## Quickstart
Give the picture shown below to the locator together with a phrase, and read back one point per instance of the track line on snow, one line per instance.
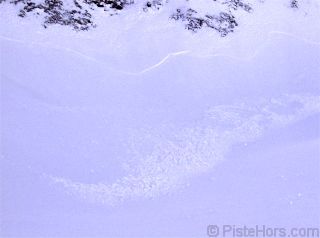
(161, 62)
(262, 46)
(173, 54)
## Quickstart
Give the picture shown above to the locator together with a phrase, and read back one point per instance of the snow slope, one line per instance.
(139, 123)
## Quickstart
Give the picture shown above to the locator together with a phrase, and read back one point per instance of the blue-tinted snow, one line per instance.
(140, 128)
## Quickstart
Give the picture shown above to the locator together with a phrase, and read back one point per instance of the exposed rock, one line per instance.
(236, 4)
(294, 4)
(79, 13)
(154, 5)
(224, 23)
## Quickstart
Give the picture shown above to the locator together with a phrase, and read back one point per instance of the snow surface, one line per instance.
(141, 128)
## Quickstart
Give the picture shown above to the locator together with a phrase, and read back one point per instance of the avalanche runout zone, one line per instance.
(192, 150)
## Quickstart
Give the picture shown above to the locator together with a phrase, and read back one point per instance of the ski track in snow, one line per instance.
(264, 44)
(161, 62)
(171, 55)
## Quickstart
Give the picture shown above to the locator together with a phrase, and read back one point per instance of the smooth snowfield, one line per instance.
(141, 128)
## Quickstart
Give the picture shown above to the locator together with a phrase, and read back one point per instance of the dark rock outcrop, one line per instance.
(79, 13)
